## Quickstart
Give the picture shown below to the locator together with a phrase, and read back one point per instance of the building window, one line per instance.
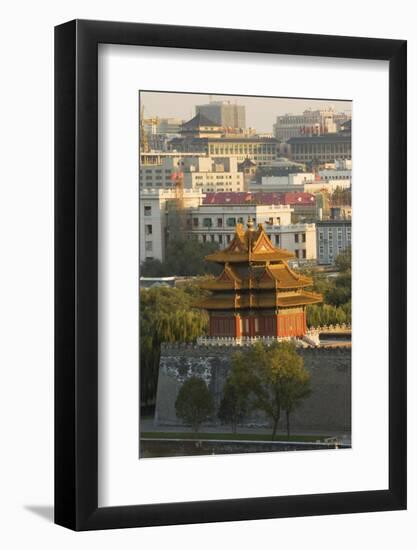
(296, 238)
(278, 221)
(148, 246)
(240, 220)
(212, 238)
(276, 239)
(231, 222)
(220, 239)
(204, 239)
(207, 222)
(228, 238)
(304, 254)
(148, 210)
(219, 222)
(148, 229)
(303, 238)
(297, 253)
(195, 222)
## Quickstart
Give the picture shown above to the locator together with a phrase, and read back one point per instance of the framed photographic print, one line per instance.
(230, 275)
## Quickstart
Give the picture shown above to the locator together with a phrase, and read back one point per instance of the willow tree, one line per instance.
(166, 315)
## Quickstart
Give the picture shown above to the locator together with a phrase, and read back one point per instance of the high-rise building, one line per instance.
(309, 123)
(333, 238)
(224, 113)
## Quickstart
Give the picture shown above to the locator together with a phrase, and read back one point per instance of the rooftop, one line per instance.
(260, 198)
(252, 245)
(248, 139)
(198, 121)
(259, 301)
(326, 138)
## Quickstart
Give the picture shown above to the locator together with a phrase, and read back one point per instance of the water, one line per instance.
(152, 448)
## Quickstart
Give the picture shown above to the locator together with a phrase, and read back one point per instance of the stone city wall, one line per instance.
(327, 410)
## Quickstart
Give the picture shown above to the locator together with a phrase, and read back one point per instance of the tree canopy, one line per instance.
(166, 315)
(194, 403)
(337, 294)
(271, 378)
(183, 257)
(343, 261)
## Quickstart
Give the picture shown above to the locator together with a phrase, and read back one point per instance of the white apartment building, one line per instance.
(153, 219)
(198, 172)
(328, 175)
(217, 223)
(333, 237)
(310, 122)
(290, 182)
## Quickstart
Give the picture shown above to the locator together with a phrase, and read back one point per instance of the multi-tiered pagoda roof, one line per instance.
(257, 294)
(256, 275)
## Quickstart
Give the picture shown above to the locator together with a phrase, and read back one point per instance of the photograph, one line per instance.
(199, 349)
(245, 302)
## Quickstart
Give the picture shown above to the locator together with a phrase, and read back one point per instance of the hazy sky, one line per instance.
(260, 111)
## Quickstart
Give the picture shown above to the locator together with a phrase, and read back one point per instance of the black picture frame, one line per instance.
(76, 272)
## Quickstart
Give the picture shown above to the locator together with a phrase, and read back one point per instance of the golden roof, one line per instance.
(252, 245)
(259, 301)
(272, 276)
(253, 265)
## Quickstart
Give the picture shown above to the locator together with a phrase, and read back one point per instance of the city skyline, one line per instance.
(261, 112)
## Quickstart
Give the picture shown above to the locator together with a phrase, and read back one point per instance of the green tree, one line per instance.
(152, 268)
(194, 402)
(234, 405)
(166, 315)
(271, 372)
(183, 257)
(343, 261)
(294, 391)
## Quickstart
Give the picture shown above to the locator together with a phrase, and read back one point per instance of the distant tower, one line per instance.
(224, 113)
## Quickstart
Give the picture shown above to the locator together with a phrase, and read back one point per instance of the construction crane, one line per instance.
(151, 122)
(178, 179)
(144, 144)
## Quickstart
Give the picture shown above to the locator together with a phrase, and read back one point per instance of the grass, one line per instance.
(232, 436)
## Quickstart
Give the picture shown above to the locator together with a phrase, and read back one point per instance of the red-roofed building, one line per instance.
(304, 204)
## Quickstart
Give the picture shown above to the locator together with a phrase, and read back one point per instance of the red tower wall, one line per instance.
(291, 323)
(222, 326)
